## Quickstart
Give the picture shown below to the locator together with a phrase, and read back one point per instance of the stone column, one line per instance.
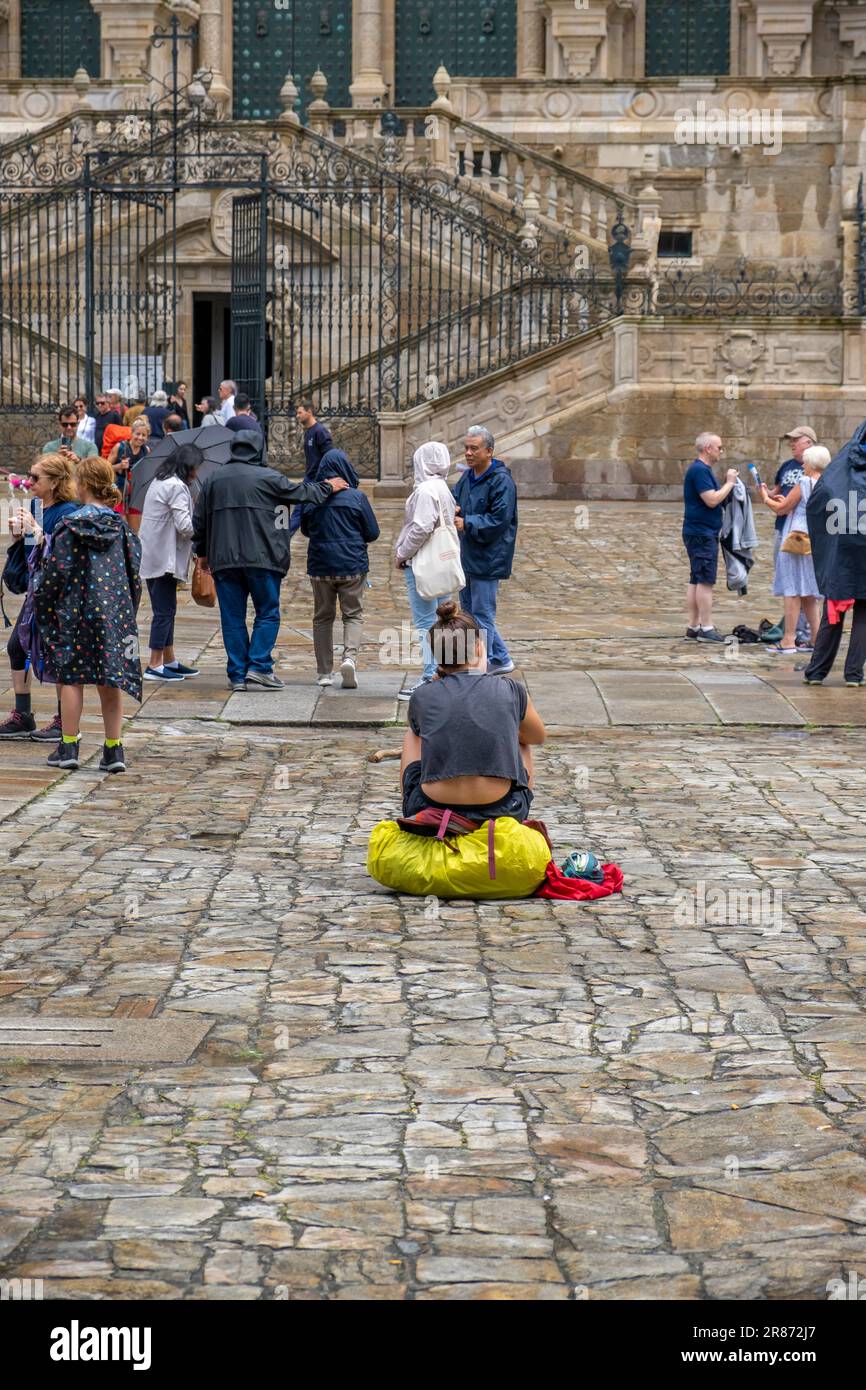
(211, 53)
(530, 38)
(368, 85)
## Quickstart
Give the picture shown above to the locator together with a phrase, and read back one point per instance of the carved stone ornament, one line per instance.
(740, 352)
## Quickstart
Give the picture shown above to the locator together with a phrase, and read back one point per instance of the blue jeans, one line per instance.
(247, 652)
(479, 599)
(423, 618)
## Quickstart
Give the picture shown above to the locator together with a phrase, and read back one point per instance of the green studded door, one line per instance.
(272, 37)
(58, 37)
(688, 38)
(473, 38)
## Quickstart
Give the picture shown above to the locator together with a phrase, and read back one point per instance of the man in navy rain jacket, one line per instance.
(337, 564)
(487, 521)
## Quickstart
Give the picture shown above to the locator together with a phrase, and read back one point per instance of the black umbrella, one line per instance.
(213, 442)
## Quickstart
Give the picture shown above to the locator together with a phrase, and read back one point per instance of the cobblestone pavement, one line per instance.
(660, 1095)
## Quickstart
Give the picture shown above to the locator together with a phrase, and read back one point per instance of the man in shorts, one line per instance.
(702, 522)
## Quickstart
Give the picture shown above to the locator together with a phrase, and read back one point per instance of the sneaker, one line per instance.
(713, 635)
(166, 675)
(503, 668)
(349, 674)
(410, 690)
(692, 633)
(180, 670)
(18, 725)
(52, 732)
(112, 759)
(325, 680)
(813, 680)
(266, 679)
(65, 755)
(237, 686)
(854, 683)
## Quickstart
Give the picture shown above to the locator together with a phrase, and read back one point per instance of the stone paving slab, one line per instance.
(40, 1037)
(294, 705)
(741, 698)
(569, 698)
(652, 697)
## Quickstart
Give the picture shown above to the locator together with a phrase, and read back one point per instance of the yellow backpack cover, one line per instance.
(457, 866)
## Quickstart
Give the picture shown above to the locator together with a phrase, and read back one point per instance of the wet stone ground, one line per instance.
(660, 1095)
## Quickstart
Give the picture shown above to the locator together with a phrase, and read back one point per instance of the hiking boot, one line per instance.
(349, 673)
(112, 759)
(713, 635)
(18, 725)
(265, 679)
(65, 755)
(50, 734)
(692, 633)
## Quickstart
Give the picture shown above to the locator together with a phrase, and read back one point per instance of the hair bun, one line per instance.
(448, 609)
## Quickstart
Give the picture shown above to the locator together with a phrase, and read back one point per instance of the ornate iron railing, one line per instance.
(750, 290)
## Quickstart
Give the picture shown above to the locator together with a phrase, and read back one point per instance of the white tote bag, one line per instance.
(436, 566)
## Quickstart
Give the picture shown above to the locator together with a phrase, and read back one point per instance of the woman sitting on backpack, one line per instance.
(52, 483)
(468, 747)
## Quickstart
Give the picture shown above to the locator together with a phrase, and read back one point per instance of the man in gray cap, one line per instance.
(787, 477)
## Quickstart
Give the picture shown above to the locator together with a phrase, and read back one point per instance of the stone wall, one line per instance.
(615, 413)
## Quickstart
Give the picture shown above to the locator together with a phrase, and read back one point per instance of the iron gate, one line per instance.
(248, 296)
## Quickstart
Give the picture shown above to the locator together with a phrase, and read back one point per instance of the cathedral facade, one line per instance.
(596, 227)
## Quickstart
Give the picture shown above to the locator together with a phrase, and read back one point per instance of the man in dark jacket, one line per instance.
(337, 564)
(241, 530)
(487, 521)
(317, 442)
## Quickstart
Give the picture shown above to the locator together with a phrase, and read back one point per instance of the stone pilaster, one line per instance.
(10, 14)
(368, 85)
(530, 38)
(126, 29)
(211, 50)
(784, 33)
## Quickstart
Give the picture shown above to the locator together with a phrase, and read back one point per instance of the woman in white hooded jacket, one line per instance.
(432, 463)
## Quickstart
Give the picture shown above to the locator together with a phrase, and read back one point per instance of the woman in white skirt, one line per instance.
(795, 573)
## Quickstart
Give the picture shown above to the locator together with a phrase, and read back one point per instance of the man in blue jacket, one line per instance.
(339, 533)
(487, 521)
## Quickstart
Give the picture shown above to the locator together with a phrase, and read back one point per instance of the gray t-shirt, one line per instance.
(468, 724)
